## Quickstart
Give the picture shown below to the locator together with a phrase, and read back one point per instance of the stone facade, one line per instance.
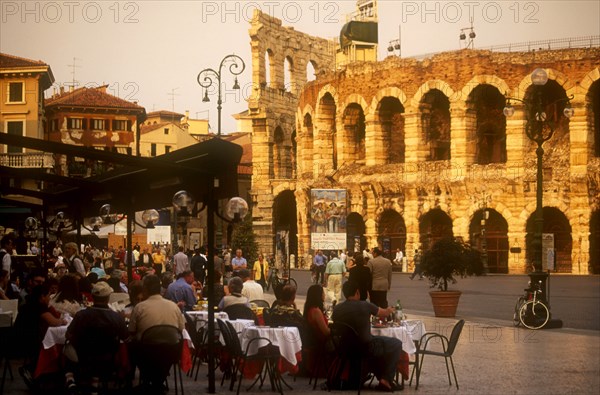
(423, 149)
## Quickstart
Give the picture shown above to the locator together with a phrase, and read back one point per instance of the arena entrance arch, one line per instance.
(355, 233)
(496, 237)
(433, 226)
(557, 224)
(285, 228)
(391, 232)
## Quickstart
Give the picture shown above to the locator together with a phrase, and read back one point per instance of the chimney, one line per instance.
(71, 88)
(62, 89)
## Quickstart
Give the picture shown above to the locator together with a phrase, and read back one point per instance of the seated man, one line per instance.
(182, 291)
(384, 352)
(153, 311)
(92, 334)
(251, 289)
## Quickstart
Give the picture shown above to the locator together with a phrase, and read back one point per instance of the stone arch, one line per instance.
(560, 78)
(355, 233)
(285, 226)
(390, 91)
(592, 101)
(490, 235)
(434, 225)
(487, 123)
(391, 232)
(326, 130)
(485, 79)
(358, 99)
(352, 144)
(311, 70)
(435, 119)
(440, 85)
(557, 223)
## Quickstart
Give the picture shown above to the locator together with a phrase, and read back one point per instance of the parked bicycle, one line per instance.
(530, 310)
(274, 279)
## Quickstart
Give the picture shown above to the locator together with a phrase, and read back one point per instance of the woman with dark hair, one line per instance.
(314, 313)
(34, 319)
(361, 275)
(317, 330)
(68, 299)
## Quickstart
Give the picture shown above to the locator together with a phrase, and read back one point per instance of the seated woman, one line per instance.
(34, 319)
(235, 286)
(317, 330)
(68, 299)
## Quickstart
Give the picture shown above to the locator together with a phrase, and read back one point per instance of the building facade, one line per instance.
(92, 117)
(423, 150)
(22, 112)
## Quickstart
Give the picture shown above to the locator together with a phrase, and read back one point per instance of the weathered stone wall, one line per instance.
(272, 109)
(455, 186)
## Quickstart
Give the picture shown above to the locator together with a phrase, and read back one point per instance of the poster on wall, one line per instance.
(328, 219)
(548, 251)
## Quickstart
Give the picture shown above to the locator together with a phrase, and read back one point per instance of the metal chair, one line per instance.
(239, 311)
(448, 347)
(160, 349)
(350, 350)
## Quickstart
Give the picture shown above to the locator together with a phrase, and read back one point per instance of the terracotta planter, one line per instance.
(445, 303)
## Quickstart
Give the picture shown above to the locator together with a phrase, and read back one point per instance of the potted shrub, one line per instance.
(447, 259)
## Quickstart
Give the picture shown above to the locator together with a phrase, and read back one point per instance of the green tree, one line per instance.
(243, 237)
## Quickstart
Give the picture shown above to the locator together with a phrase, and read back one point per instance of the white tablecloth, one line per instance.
(408, 333)
(57, 335)
(286, 338)
(203, 315)
(240, 324)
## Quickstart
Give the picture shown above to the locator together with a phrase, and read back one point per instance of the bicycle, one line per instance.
(274, 279)
(530, 310)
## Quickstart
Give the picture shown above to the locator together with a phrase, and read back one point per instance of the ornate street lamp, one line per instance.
(539, 128)
(206, 78)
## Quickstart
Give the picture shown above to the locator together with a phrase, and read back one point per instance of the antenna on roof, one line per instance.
(73, 66)
(173, 94)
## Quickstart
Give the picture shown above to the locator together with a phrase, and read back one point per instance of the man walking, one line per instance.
(417, 262)
(319, 263)
(334, 273)
(180, 262)
(381, 273)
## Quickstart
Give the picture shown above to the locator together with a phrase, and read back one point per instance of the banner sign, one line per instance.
(160, 235)
(328, 219)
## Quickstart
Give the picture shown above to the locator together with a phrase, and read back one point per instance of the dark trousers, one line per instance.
(320, 272)
(379, 298)
(384, 354)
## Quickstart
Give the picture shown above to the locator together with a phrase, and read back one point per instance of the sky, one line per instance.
(151, 51)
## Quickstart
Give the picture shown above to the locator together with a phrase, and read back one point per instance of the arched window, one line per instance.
(311, 74)
(435, 121)
(490, 125)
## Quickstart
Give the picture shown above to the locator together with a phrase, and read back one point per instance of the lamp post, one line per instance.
(539, 128)
(206, 78)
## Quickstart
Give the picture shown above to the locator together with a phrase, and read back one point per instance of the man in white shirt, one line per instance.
(252, 290)
(6, 250)
(398, 258)
(180, 261)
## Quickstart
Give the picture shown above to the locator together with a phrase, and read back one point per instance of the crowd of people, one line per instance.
(79, 286)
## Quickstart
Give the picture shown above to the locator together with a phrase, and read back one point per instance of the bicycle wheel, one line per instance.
(534, 315)
(516, 318)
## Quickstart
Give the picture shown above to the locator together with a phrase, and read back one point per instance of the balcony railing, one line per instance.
(27, 160)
